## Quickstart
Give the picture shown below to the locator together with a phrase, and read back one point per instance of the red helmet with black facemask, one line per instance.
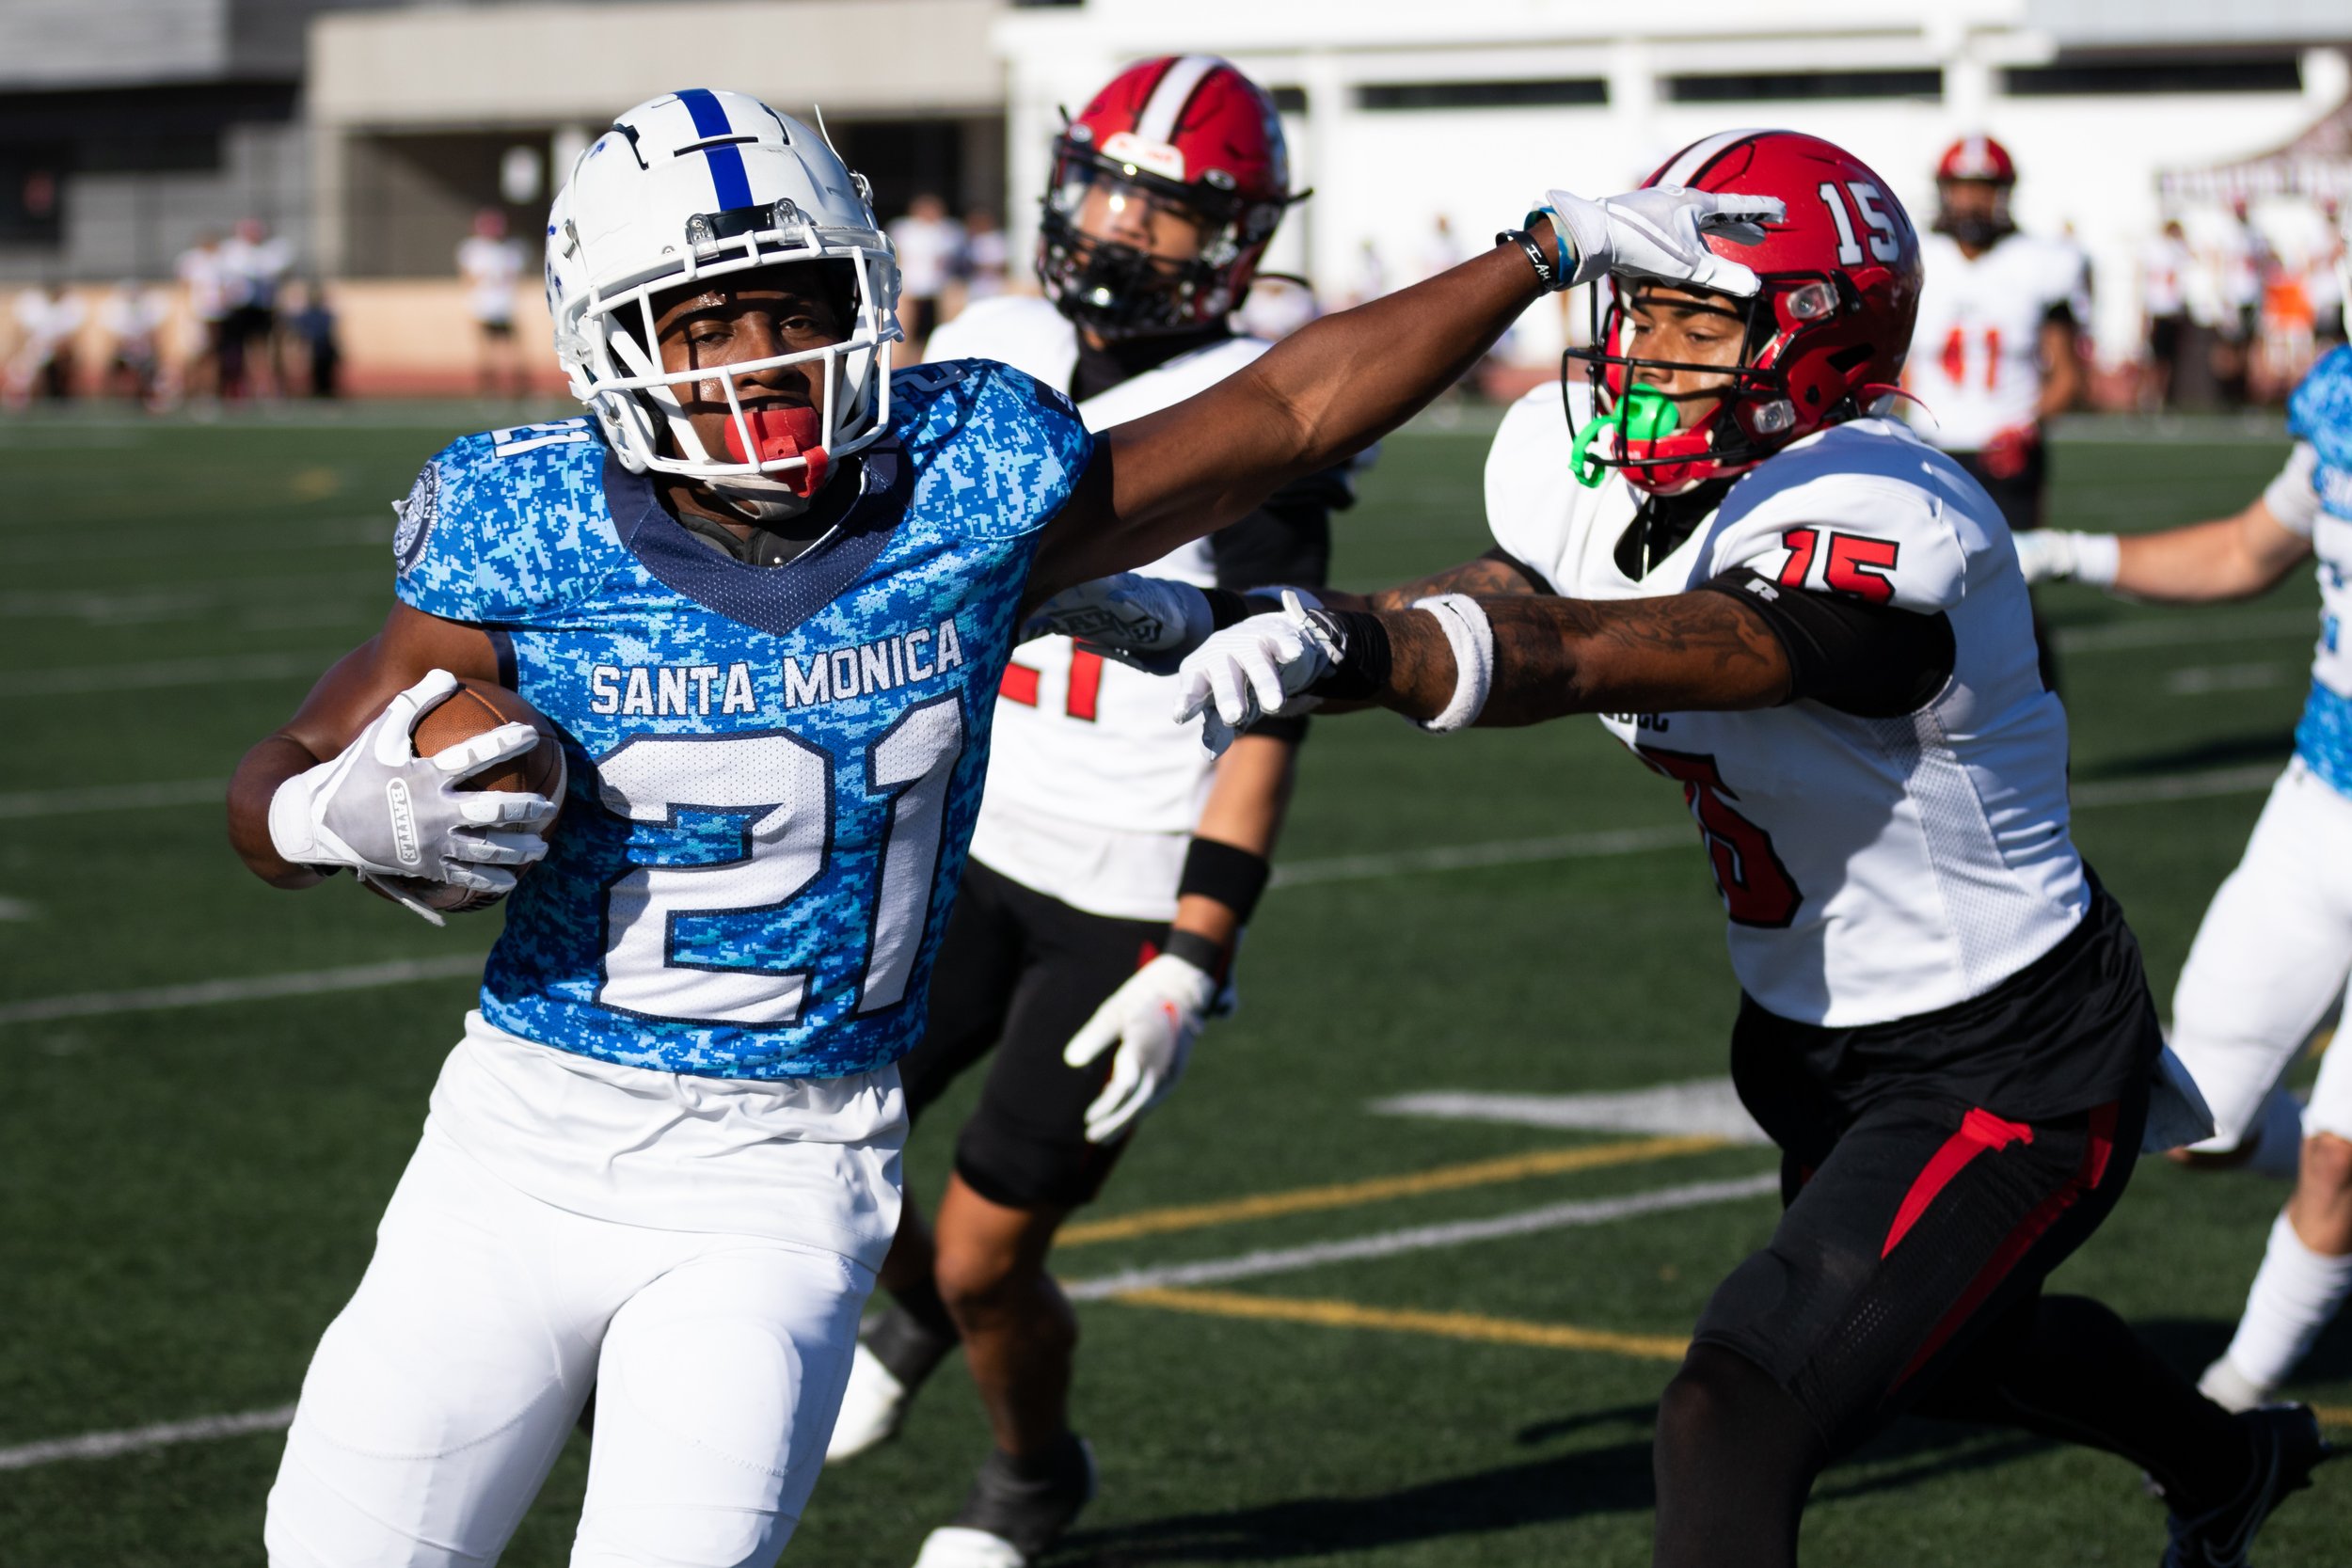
(1187, 131)
(1826, 333)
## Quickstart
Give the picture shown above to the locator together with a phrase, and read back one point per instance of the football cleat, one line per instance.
(1008, 1522)
(2287, 1448)
(873, 1407)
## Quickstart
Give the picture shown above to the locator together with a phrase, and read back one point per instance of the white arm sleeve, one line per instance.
(2293, 495)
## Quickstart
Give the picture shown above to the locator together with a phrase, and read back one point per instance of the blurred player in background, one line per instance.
(767, 604)
(133, 316)
(491, 265)
(1997, 352)
(2272, 956)
(48, 321)
(927, 241)
(1116, 861)
(1816, 625)
(2164, 268)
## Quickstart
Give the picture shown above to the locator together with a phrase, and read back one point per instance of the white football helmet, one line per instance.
(694, 186)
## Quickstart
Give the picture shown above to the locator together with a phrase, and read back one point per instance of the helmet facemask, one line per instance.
(1637, 429)
(776, 459)
(1124, 291)
(1979, 229)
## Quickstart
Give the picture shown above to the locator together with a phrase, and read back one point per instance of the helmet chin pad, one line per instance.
(783, 433)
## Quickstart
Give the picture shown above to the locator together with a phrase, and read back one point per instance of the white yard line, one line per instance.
(1703, 1106)
(163, 673)
(1249, 1265)
(1421, 1238)
(205, 993)
(106, 798)
(105, 1445)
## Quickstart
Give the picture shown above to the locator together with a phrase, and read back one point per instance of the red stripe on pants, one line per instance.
(2096, 1152)
(1979, 1130)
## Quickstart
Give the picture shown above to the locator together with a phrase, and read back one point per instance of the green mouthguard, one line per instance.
(1644, 414)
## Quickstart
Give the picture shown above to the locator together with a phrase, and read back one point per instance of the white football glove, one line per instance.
(1657, 232)
(1150, 623)
(2054, 555)
(382, 811)
(1251, 669)
(1153, 1019)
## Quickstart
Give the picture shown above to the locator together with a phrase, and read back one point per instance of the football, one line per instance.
(473, 707)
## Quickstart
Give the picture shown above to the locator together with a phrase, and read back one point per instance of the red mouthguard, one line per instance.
(783, 433)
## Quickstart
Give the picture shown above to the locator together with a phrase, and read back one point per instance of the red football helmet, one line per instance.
(1826, 332)
(1978, 161)
(1186, 130)
(1977, 158)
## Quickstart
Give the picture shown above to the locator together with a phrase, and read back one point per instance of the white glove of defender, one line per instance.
(1150, 623)
(1657, 232)
(1251, 669)
(2054, 555)
(380, 810)
(1153, 1019)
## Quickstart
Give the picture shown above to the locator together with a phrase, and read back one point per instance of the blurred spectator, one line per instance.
(47, 320)
(926, 240)
(312, 320)
(986, 259)
(1278, 305)
(1440, 251)
(199, 273)
(491, 265)
(132, 317)
(252, 265)
(1371, 273)
(2164, 267)
(2327, 280)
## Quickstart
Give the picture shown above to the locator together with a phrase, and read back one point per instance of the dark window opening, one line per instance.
(1784, 86)
(2284, 74)
(1290, 100)
(32, 193)
(1573, 90)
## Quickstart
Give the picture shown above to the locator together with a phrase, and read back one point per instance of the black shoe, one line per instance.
(2287, 1448)
(1009, 1519)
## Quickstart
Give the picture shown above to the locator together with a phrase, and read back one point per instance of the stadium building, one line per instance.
(376, 131)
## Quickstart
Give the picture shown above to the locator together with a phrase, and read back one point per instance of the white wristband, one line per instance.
(2097, 558)
(291, 832)
(1473, 640)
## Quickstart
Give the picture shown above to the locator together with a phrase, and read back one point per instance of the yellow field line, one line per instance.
(1448, 1325)
(1300, 1200)
(2333, 1414)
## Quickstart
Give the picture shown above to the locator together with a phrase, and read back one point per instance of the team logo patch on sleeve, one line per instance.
(415, 514)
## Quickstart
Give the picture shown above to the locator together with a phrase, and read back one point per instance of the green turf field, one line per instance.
(187, 1192)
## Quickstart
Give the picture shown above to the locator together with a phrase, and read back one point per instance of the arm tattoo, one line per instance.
(1488, 577)
(1556, 655)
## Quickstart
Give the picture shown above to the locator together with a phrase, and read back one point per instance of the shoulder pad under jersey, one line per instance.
(995, 451)
(504, 525)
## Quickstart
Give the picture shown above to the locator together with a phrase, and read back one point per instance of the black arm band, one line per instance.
(1231, 876)
(1198, 951)
(1289, 728)
(1871, 660)
(1228, 606)
(1365, 657)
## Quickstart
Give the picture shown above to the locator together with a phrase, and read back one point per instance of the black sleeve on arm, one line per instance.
(1871, 660)
(1288, 538)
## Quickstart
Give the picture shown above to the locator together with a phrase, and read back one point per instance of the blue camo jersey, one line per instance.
(774, 770)
(2320, 413)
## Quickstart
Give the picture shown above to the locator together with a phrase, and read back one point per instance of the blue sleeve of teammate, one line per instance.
(995, 450)
(2320, 411)
(494, 538)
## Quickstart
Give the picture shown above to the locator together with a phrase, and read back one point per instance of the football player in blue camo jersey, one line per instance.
(766, 596)
(2271, 957)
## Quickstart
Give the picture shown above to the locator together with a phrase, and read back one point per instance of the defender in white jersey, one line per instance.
(1115, 857)
(2274, 952)
(1816, 624)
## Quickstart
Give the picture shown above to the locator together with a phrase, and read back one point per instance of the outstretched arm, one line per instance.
(1328, 392)
(2223, 558)
(1554, 657)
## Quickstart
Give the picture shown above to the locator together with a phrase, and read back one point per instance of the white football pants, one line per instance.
(440, 1397)
(2269, 960)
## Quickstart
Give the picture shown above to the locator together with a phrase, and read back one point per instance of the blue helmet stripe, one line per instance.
(710, 120)
(728, 177)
